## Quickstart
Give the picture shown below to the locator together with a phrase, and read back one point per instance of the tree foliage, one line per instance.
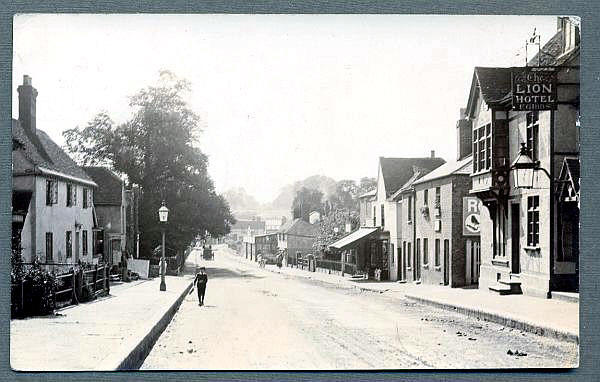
(342, 209)
(332, 227)
(306, 201)
(157, 149)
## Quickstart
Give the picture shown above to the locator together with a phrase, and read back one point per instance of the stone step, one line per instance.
(510, 282)
(506, 288)
(500, 288)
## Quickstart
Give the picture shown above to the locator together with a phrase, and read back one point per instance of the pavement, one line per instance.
(115, 332)
(259, 319)
(551, 318)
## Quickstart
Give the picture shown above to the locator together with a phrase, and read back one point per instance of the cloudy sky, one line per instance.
(281, 97)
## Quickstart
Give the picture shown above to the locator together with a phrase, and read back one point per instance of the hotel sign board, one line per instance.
(534, 88)
(471, 218)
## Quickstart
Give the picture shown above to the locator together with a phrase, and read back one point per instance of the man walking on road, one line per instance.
(201, 280)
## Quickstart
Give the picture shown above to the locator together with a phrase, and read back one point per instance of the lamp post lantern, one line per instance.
(525, 169)
(163, 216)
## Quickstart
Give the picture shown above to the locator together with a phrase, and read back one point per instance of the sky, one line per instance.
(280, 97)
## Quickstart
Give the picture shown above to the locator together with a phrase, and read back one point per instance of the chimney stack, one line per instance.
(27, 97)
(433, 153)
(464, 133)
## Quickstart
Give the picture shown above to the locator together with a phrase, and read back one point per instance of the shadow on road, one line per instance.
(225, 273)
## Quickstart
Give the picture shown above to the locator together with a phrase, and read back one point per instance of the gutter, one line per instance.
(44, 171)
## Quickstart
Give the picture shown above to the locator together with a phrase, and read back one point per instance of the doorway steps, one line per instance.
(507, 286)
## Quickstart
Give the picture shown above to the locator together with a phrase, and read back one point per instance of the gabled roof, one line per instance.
(494, 84)
(110, 186)
(409, 184)
(397, 171)
(368, 194)
(299, 227)
(461, 167)
(569, 177)
(353, 237)
(41, 151)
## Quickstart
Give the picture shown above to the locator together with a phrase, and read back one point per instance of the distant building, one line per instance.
(274, 223)
(244, 228)
(52, 197)
(296, 237)
(266, 244)
(365, 202)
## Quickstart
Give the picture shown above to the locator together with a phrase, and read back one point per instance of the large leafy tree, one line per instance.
(306, 201)
(158, 149)
(333, 227)
(341, 211)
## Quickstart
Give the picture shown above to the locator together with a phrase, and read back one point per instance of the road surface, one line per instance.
(257, 319)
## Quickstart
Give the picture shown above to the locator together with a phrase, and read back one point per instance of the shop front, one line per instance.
(366, 251)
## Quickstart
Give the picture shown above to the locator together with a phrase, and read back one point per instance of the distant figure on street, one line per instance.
(201, 280)
(279, 260)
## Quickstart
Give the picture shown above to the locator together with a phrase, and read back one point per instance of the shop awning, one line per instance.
(353, 237)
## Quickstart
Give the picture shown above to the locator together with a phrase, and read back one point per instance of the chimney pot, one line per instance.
(26, 80)
(433, 153)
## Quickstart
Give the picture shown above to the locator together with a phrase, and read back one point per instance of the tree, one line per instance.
(366, 184)
(306, 201)
(341, 209)
(344, 196)
(332, 227)
(157, 150)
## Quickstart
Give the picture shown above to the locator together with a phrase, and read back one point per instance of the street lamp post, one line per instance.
(163, 215)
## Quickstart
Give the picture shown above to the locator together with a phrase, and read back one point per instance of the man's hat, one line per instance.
(202, 268)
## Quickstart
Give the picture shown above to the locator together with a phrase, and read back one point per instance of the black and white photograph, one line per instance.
(295, 192)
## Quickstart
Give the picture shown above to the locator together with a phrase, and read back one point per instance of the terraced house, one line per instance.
(374, 247)
(52, 196)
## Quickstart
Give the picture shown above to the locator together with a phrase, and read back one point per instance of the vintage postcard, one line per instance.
(295, 192)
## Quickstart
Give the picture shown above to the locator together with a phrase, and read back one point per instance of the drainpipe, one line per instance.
(414, 229)
(33, 219)
(551, 247)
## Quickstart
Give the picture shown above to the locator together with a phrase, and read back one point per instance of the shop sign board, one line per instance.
(534, 88)
(471, 219)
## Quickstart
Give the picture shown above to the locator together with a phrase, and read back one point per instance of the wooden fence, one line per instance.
(335, 265)
(71, 285)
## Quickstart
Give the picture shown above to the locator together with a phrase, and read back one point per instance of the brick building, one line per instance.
(438, 224)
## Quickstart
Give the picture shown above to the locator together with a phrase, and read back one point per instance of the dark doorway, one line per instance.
(400, 263)
(515, 225)
(446, 262)
(418, 260)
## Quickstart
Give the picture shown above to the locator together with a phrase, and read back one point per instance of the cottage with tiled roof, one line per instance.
(295, 237)
(52, 196)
